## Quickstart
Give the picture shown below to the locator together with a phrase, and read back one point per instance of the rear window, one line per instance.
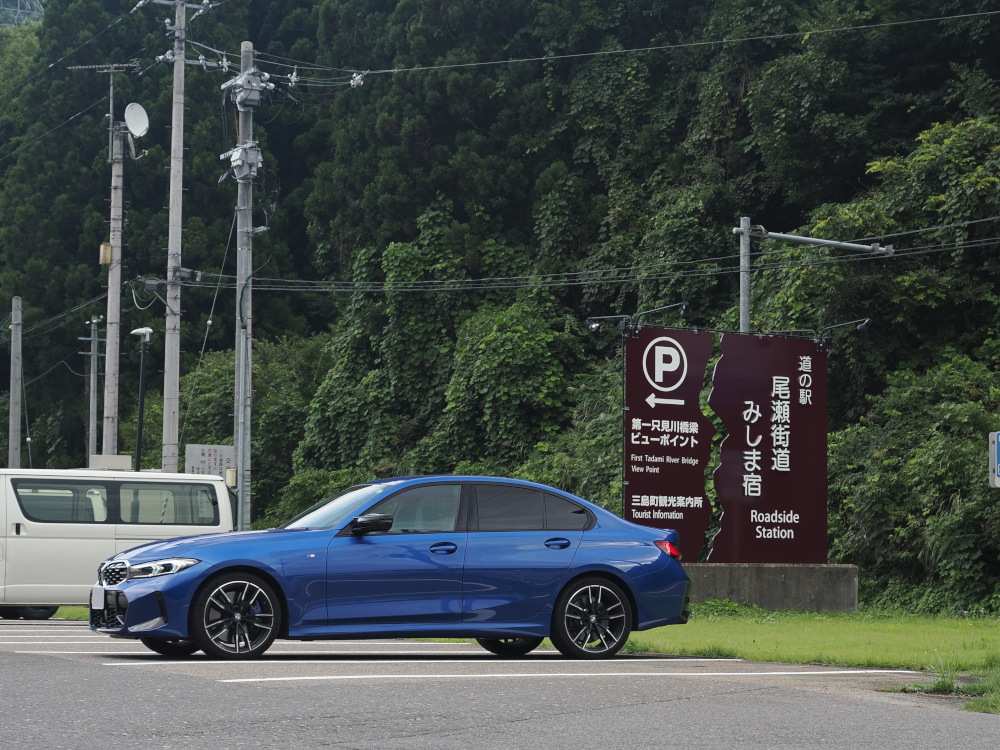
(561, 513)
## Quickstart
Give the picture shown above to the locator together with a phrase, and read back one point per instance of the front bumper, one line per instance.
(138, 609)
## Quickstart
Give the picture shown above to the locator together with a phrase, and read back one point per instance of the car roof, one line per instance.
(431, 478)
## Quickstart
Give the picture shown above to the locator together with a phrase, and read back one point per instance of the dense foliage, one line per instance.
(503, 171)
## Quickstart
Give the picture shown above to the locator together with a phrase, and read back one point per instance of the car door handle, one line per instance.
(557, 543)
(444, 548)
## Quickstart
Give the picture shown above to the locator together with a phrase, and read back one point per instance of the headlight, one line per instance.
(160, 567)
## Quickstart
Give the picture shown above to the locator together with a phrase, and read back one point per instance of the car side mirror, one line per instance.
(371, 522)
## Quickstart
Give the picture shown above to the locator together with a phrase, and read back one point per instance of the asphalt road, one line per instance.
(65, 687)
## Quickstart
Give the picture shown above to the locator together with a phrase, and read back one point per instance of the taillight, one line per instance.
(669, 548)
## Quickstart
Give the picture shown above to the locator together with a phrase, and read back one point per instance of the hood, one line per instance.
(190, 546)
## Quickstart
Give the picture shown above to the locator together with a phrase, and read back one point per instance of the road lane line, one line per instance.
(493, 676)
(155, 660)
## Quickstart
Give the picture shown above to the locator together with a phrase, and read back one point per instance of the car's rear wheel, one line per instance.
(592, 619)
(235, 616)
(509, 646)
(171, 647)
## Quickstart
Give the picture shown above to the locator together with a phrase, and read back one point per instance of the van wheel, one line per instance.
(36, 613)
(171, 647)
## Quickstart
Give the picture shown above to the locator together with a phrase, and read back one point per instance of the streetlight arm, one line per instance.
(660, 309)
(862, 323)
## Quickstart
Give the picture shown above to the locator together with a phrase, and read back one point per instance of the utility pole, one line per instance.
(747, 232)
(744, 274)
(16, 383)
(172, 333)
(92, 383)
(111, 256)
(143, 334)
(244, 160)
(112, 345)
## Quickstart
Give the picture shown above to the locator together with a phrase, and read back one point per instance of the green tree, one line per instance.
(906, 506)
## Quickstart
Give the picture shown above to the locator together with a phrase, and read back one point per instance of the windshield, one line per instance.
(332, 511)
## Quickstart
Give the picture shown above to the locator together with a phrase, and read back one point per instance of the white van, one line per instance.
(58, 525)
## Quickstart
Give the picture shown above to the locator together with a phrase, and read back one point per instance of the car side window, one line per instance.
(561, 514)
(507, 507)
(421, 510)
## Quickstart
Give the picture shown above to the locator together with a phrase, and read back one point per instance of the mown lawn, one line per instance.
(948, 649)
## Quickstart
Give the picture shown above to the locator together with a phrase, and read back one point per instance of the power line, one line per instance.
(583, 278)
(32, 76)
(62, 315)
(288, 62)
(52, 130)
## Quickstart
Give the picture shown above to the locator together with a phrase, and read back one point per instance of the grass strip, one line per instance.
(949, 648)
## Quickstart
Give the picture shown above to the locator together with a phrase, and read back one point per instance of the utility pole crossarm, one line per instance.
(747, 232)
(759, 233)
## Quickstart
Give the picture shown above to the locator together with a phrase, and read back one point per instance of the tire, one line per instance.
(509, 646)
(592, 619)
(235, 616)
(172, 647)
(36, 613)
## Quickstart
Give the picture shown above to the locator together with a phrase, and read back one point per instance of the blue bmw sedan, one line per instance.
(504, 561)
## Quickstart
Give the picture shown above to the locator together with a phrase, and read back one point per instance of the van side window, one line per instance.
(62, 502)
(168, 504)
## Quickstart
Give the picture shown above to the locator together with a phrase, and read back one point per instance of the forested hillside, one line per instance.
(473, 179)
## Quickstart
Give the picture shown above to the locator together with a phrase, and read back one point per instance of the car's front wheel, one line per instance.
(592, 619)
(235, 616)
(509, 646)
(171, 647)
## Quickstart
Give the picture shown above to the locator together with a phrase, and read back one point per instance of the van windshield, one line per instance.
(332, 511)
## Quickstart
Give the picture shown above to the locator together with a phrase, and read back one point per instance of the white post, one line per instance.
(244, 303)
(172, 334)
(16, 380)
(112, 344)
(92, 388)
(745, 274)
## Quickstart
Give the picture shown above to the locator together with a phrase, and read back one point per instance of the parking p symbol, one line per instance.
(666, 360)
(664, 363)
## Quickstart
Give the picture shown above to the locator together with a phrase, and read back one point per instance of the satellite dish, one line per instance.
(136, 120)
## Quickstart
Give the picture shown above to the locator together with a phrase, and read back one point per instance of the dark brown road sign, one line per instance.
(668, 441)
(771, 395)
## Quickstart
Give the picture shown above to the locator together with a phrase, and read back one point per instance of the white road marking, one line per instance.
(493, 676)
(158, 661)
(9, 639)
